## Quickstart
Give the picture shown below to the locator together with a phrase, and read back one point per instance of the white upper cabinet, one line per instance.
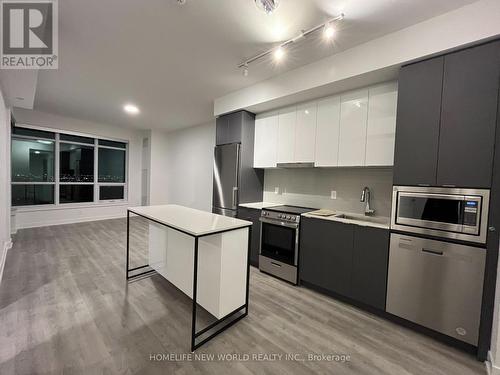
(353, 120)
(287, 121)
(305, 133)
(381, 129)
(327, 132)
(353, 129)
(266, 140)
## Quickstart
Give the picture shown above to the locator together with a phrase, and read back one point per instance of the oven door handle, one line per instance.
(279, 223)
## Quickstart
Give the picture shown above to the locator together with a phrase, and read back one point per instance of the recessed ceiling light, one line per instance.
(37, 152)
(279, 53)
(267, 6)
(131, 109)
(328, 31)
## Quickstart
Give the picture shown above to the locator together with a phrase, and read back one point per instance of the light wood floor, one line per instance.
(65, 308)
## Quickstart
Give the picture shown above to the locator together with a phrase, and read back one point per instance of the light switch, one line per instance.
(333, 194)
(277, 190)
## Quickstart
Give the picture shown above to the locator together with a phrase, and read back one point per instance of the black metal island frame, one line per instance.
(173, 229)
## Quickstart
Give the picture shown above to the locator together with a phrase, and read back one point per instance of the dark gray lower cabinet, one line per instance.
(252, 215)
(369, 265)
(326, 254)
(345, 259)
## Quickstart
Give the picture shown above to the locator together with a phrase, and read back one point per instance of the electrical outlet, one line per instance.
(277, 190)
(333, 194)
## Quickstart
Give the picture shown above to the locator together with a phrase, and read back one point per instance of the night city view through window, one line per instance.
(34, 166)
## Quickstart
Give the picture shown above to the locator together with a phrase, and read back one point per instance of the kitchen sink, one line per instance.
(369, 219)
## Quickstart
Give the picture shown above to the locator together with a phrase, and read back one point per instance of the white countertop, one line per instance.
(194, 222)
(381, 222)
(259, 205)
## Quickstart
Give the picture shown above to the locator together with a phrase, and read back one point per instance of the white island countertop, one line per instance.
(189, 220)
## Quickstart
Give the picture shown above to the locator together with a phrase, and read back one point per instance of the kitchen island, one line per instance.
(204, 255)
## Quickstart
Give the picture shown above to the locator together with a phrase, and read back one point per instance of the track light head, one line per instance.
(245, 70)
(279, 53)
(268, 6)
(328, 31)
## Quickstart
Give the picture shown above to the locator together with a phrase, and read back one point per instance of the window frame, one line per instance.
(57, 183)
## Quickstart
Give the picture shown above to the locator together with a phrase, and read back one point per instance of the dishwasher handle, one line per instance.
(433, 252)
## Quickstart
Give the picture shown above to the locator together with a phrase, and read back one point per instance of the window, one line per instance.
(56, 168)
(111, 170)
(32, 167)
(76, 163)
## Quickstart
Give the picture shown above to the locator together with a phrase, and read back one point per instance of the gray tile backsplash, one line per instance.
(311, 187)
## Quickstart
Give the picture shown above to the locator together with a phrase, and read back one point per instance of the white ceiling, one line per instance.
(173, 60)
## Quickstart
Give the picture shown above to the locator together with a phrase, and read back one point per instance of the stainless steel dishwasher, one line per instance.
(436, 284)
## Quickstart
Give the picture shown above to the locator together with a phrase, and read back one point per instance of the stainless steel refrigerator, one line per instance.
(226, 179)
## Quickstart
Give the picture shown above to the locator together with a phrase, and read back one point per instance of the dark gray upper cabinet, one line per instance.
(229, 128)
(468, 116)
(369, 266)
(252, 215)
(417, 124)
(326, 254)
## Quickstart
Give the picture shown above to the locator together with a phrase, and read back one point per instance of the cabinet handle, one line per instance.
(424, 185)
(276, 264)
(492, 229)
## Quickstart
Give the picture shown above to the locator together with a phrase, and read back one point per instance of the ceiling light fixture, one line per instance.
(328, 31)
(268, 6)
(279, 52)
(131, 109)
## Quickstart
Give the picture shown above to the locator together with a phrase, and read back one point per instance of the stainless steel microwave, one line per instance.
(454, 213)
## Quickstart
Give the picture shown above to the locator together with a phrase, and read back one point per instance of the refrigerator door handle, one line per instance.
(235, 192)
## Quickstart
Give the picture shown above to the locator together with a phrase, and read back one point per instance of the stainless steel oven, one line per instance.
(454, 213)
(279, 241)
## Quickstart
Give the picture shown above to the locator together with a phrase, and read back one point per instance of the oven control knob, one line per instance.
(288, 217)
(280, 216)
(293, 218)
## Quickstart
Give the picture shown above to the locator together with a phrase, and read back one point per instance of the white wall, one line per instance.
(158, 168)
(311, 187)
(189, 168)
(5, 241)
(41, 216)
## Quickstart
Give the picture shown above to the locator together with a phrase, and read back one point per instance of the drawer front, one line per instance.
(279, 269)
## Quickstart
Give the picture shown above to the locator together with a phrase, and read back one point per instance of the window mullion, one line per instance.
(56, 170)
(96, 171)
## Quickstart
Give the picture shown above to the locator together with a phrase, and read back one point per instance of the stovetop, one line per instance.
(294, 210)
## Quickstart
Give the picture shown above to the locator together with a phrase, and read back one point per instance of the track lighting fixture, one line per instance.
(279, 52)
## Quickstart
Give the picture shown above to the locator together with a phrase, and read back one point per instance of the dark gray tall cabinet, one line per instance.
(447, 110)
(468, 116)
(417, 129)
(239, 127)
(454, 100)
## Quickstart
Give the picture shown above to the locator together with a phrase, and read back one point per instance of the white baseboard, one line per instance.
(491, 367)
(5, 248)
(69, 221)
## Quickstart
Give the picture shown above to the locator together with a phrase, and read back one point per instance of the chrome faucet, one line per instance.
(365, 197)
